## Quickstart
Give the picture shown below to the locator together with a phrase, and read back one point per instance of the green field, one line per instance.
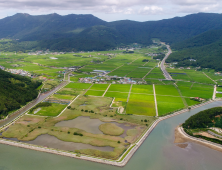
(116, 95)
(141, 104)
(202, 92)
(148, 89)
(53, 110)
(94, 93)
(78, 86)
(167, 104)
(156, 73)
(119, 87)
(101, 87)
(166, 90)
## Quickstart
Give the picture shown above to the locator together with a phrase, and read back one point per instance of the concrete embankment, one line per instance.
(181, 137)
(122, 161)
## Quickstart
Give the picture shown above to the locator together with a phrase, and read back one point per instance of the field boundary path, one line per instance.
(182, 97)
(210, 78)
(122, 161)
(156, 108)
(129, 93)
(133, 61)
(165, 73)
(88, 89)
(115, 69)
(68, 105)
(148, 73)
(214, 93)
(146, 63)
(106, 90)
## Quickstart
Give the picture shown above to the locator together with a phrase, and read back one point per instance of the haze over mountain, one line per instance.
(87, 32)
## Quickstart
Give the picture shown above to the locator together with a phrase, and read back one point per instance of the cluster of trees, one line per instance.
(15, 91)
(206, 49)
(205, 119)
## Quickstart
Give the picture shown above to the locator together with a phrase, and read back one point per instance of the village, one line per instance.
(102, 78)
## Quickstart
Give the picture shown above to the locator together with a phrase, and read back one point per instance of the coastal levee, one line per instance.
(199, 140)
(122, 161)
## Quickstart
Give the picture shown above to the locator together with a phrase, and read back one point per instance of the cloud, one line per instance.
(151, 10)
(194, 2)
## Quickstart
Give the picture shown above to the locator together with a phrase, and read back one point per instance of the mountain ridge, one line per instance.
(74, 30)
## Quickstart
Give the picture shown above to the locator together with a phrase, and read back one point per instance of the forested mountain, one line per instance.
(15, 90)
(205, 48)
(87, 32)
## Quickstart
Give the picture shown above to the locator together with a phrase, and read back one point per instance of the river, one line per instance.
(158, 152)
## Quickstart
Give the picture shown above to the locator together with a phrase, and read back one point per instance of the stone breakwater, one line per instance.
(124, 158)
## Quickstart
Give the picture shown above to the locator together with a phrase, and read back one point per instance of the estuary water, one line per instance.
(158, 152)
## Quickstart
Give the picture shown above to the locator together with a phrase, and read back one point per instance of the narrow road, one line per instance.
(214, 93)
(129, 93)
(154, 94)
(165, 73)
(106, 90)
(31, 104)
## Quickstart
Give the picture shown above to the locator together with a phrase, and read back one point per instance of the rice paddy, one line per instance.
(99, 123)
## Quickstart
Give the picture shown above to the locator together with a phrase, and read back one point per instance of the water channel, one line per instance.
(158, 152)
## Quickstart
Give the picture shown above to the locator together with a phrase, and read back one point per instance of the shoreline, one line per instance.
(182, 137)
(124, 158)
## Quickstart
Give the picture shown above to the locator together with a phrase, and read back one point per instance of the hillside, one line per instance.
(87, 32)
(15, 91)
(205, 49)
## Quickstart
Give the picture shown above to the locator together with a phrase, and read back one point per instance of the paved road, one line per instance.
(165, 73)
(33, 103)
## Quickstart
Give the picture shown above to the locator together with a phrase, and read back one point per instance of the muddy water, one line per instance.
(53, 142)
(91, 125)
(158, 152)
(125, 127)
(84, 123)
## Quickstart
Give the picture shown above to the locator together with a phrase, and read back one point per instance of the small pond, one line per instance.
(53, 142)
(91, 125)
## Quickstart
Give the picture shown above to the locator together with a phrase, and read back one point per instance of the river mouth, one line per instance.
(53, 142)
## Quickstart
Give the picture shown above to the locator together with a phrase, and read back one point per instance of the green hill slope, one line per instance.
(87, 32)
(15, 91)
(206, 49)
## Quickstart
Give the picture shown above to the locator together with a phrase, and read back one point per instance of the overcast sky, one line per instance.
(111, 10)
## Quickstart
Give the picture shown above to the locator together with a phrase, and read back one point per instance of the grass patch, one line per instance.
(54, 110)
(111, 129)
(191, 102)
(64, 97)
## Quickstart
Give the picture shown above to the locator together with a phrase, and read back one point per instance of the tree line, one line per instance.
(205, 119)
(15, 91)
